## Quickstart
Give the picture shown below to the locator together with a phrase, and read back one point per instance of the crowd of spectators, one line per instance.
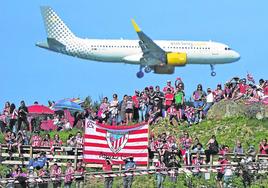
(15, 141)
(46, 176)
(151, 105)
(167, 151)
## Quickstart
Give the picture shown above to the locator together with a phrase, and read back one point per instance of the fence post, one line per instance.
(120, 168)
(75, 157)
(211, 161)
(31, 151)
(0, 153)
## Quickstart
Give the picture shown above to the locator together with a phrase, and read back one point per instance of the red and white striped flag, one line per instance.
(115, 142)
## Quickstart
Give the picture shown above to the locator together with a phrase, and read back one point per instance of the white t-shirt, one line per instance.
(228, 172)
(210, 98)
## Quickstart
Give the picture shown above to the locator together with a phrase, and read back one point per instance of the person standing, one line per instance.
(130, 165)
(22, 115)
(107, 167)
(13, 118)
(160, 172)
(113, 108)
(79, 175)
(122, 109)
(129, 110)
(55, 175)
(168, 86)
(143, 103)
(199, 97)
(69, 175)
(179, 101)
(136, 99)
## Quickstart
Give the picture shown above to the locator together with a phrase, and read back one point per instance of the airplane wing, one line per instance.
(152, 53)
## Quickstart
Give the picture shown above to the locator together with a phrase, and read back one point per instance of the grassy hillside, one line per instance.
(227, 131)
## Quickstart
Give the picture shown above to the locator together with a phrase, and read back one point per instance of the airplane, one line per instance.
(161, 56)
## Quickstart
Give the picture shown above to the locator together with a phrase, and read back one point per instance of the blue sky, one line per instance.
(35, 74)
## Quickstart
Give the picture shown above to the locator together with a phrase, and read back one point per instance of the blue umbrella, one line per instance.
(67, 104)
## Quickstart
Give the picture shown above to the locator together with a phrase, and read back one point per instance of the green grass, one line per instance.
(62, 134)
(227, 131)
(149, 181)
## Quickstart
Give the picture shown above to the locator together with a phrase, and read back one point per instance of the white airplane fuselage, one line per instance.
(129, 51)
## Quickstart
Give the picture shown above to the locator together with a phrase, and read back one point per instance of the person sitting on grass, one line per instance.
(79, 140)
(36, 139)
(224, 150)
(71, 143)
(219, 94)
(57, 142)
(263, 147)
(39, 161)
(189, 113)
(186, 142)
(209, 101)
(198, 149)
(155, 112)
(240, 90)
(20, 176)
(213, 148)
(20, 141)
(11, 142)
(238, 149)
(173, 115)
(46, 142)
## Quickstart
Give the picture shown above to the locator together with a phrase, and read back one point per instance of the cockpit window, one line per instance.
(227, 48)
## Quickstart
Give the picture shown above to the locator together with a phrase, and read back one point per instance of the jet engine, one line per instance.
(176, 59)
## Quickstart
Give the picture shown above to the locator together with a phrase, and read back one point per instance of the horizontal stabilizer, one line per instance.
(51, 44)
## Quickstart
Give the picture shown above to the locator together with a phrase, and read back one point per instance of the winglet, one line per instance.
(135, 25)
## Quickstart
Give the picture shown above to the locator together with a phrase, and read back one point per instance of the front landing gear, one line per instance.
(213, 73)
(140, 74)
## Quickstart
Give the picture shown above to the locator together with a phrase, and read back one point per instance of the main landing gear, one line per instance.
(213, 73)
(147, 69)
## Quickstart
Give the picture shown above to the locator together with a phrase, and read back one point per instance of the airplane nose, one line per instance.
(236, 56)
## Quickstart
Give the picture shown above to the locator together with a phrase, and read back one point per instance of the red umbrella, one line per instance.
(39, 109)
